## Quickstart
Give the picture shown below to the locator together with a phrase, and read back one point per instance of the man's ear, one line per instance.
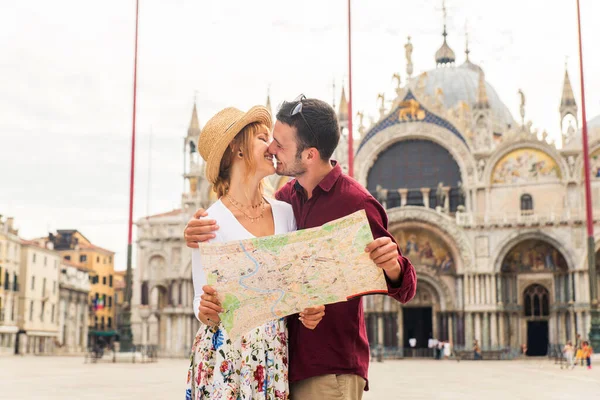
(313, 154)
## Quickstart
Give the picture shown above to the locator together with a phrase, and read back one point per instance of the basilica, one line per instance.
(489, 211)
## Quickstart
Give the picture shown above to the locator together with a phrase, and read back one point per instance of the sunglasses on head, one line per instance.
(298, 110)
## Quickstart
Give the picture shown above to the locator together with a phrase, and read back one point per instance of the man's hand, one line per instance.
(311, 316)
(199, 230)
(210, 306)
(384, 253)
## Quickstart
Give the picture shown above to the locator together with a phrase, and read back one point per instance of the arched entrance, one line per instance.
(418, 317)
(536, 303)
(536, 293)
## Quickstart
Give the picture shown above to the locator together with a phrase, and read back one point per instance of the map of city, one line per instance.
(268, 278)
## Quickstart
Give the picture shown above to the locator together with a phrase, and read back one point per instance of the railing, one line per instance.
(522, 218)
(457, 353)
(138, 353)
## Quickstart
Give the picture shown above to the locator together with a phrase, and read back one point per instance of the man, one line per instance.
(330, 361)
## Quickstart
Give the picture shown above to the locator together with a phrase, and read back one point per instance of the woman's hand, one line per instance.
(311, 316)
(210, 306)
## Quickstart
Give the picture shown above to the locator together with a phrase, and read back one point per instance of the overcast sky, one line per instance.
(66, 69)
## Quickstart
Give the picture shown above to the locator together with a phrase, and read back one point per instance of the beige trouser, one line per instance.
(328, 387)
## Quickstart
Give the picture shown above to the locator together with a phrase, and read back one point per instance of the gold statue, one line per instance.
(411, 111)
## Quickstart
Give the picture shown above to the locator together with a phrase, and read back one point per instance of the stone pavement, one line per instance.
(53, 378)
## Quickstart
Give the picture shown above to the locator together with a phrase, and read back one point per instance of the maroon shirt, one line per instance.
(339, 344)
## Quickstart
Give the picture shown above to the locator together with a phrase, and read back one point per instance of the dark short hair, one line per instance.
(322, 119)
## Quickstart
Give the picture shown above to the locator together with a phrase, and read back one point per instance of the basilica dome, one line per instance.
(460, 84)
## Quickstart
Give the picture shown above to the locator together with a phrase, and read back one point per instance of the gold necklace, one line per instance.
(239, 208)
(237, 203)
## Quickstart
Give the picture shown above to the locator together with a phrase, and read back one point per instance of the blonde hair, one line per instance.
(242, 142)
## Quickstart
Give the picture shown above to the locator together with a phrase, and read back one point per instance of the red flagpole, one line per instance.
(591, 246)
(350, 115)
(125, 329)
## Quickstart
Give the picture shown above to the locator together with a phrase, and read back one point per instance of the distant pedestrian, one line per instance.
(476, 350)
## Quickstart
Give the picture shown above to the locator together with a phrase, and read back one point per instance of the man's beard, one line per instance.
(295, 170)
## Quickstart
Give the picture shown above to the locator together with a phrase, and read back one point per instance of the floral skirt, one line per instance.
(253, 367)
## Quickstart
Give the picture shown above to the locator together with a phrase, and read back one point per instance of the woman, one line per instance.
(234, 146)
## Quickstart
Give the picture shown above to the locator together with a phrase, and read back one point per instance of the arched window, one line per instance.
(526, 203)
(536, 301)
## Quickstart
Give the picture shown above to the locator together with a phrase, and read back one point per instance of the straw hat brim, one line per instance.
(258, 114)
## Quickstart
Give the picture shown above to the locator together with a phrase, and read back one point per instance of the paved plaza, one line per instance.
(53, 378)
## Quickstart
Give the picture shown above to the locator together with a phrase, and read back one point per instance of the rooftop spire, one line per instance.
(444, 55)
(568, 99)
(467, 51)
(343, 110)
(194, 129)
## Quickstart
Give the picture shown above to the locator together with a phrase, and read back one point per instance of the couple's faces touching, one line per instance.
(285, 149)
(279, 152)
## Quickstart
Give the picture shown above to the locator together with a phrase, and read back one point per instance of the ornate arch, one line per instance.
(510, 146)
(147, 275)
(443, 292)
(519, 236)
(365, 159)
(578, 168)
(439, 223)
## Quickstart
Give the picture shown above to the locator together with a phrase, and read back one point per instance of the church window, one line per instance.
(526, 203)
(145, 293)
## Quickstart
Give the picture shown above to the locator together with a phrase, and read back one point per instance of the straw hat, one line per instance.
(220, 130)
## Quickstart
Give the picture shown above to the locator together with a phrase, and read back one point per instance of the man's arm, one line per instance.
(401, 285)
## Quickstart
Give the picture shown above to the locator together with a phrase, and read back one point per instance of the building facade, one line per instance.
(489, 211)
(75, 247)
(10, 270)
(38, 298)
(74, 308)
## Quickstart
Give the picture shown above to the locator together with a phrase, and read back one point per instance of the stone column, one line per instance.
(477, 328)
(572, 325)
(486, 330)
(400, 329)
(580, 325)
(380, 329)
(169, 336)
(467, 290)
(578, 288)
(446, 198)
(570, 287)
(562, 333)
(500, 296)
(425, 193)
(586, 287)
(477, 290)
(468, 330)
(502, 330)
(488, 288)
(587, 324)
(403, 194)
(450, 328)
(494, 294)
(460, 292)
(551, 329)
(494, 329)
